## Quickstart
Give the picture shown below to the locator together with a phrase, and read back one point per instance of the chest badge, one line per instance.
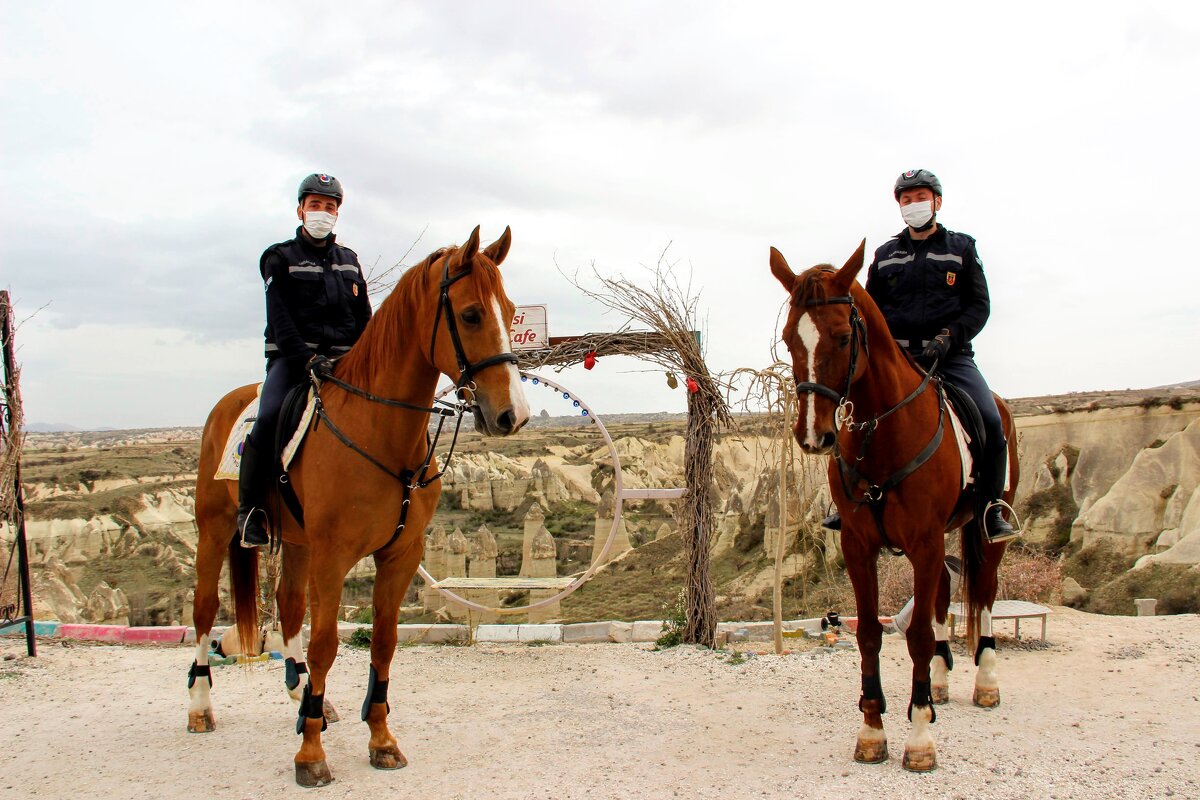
(950, 278)
(354, 288)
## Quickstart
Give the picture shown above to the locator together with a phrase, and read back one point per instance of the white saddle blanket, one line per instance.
(964, 451)
(231, 457)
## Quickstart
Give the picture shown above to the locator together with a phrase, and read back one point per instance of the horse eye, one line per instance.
(472, 316)
(844, 340)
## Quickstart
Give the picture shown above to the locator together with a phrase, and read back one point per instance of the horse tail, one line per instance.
(973, 585)
(243, 579)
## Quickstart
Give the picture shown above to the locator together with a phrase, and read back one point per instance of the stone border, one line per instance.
(576, 633)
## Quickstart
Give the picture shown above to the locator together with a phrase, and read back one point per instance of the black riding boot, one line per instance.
(251, 518)
(995, 527)
(833, 522)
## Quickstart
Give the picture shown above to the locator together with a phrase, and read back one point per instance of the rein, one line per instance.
(411, 480)
(875, 494)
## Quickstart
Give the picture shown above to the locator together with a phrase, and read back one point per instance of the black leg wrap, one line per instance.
(312, 706)
(872, 690)
(198, 671)
(292, 672)
(922, 695)
(984, 641)
(943, 649)
(376, 693)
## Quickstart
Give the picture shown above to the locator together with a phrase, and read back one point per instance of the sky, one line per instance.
(151, 151)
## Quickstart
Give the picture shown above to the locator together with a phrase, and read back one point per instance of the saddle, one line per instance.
(295, 420)
(971, 436)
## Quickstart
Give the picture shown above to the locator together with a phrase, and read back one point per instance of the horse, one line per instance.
(363, 465)
(897, 482)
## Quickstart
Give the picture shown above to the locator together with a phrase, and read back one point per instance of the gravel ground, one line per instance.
(1108, 708)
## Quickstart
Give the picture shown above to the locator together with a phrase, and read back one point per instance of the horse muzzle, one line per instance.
(507, 422)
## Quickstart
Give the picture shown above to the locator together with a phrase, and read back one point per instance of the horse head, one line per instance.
(827, 342)
(470, 340)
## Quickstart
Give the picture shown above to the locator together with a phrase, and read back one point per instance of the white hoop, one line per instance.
(619, 494)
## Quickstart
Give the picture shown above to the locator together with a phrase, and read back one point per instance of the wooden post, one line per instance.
(697, 529)
(11, 427)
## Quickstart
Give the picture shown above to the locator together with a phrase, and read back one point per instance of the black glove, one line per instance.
(320, 366)
(938, 346)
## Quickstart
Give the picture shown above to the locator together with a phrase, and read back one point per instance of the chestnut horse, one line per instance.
(897, 482)
(361, 478)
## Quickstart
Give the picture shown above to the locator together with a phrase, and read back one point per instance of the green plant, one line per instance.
(736, 658)
(538, 642)
(674, 622)
(361, 638)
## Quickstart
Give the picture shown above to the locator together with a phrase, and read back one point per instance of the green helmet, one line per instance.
(918, 177)
(316, 183)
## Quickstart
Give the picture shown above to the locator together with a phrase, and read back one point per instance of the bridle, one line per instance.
(419, 478)
(874, 494)
(466, 369)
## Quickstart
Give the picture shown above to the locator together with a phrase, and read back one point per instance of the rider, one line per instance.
(929, 283)
(317, 306)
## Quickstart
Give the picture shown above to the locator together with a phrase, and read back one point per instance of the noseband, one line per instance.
(466, 369)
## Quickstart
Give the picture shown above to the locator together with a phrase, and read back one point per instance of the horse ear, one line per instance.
(498, 249)
(782, 272)
(464, 256)
(850, 270)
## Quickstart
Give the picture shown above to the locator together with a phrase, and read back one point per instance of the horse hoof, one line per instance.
(986, 698)
(201, 721)
(940, 694)
(871, 752)
(331, 715)
(388, 758)
(311, 774)
(923, 760)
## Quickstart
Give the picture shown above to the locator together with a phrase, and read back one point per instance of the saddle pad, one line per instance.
(231, 457)
(964, 446)
(293, 445)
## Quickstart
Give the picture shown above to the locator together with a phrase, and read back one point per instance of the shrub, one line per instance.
(1175, 586)
(1028, 574)
(674, 622)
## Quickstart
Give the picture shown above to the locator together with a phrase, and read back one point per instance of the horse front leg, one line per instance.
(987, 685)
(920, 751)
(394, 571)
(325, 591)
(871, 745)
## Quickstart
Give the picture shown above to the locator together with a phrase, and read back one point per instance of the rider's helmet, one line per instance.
(326, 185)
(918, 177)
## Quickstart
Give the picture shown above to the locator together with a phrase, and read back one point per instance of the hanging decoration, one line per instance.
(589, 360)
(693, 387)
(672, 381)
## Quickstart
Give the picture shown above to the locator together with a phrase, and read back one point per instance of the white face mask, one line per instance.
(917, 215)
(319, 224)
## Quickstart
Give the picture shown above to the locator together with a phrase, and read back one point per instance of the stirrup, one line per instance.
(1015, 529)
(260, 537)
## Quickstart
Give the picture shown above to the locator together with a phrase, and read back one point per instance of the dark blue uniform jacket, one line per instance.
(316, 299)
(924, 286)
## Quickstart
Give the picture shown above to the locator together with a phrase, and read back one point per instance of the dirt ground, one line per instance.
(1108, 708)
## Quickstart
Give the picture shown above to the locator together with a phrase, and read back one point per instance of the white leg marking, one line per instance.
(869, 734)
(810, 337)
(920, 737)
(985, 622)
(515, 393)
(986, 678)
(198, 694)
(939, 674)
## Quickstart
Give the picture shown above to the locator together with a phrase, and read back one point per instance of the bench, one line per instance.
(1016, 610)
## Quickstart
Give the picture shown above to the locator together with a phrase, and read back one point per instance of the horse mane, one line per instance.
(391, 326)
